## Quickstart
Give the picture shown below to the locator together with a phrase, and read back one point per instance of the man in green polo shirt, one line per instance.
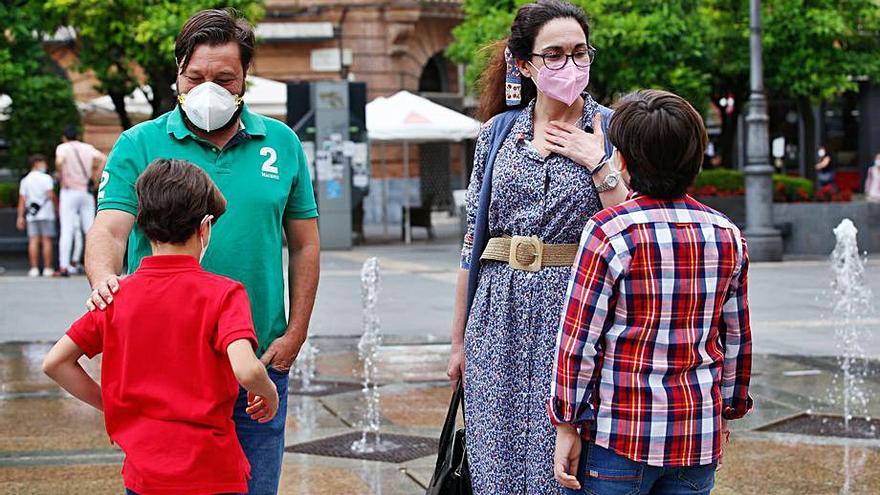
(259, 165)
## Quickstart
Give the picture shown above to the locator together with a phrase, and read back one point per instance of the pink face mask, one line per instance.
(565, 84)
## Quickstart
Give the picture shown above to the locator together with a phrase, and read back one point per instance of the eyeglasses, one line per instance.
(556, 61)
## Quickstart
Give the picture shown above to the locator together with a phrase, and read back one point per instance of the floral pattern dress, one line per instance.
(510, 337)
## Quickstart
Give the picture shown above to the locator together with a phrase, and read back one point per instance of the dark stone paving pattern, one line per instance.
(406, 448)
(322, 388)
(827, 426)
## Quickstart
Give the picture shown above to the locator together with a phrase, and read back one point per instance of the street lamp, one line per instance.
(765, 242)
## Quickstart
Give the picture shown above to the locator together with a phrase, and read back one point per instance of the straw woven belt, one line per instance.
(529, 253)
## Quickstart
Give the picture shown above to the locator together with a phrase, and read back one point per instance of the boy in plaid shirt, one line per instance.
(654, 347)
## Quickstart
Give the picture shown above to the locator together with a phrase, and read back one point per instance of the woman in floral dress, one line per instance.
(544, 184)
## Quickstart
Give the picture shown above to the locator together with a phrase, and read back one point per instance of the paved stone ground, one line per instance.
(790, 301)
(50, 443)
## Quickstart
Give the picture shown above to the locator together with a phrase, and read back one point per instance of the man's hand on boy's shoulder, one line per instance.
(102, 293)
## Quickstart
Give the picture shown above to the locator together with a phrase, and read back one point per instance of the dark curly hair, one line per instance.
(173, 198)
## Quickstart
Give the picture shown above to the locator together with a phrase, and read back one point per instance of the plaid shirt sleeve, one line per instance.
(736, 337)
(587, 313)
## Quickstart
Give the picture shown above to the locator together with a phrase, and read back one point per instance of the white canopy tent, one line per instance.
(408, 118)
(263, 96)
(5, 102)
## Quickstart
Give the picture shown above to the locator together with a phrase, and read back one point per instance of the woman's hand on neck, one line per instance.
(547, 109)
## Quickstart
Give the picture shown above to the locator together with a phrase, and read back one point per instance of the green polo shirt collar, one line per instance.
(177, 127)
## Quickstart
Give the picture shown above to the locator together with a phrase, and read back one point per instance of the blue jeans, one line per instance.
(263, 444)
(602, 472)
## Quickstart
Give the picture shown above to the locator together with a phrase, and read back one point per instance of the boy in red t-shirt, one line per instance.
(176, 344)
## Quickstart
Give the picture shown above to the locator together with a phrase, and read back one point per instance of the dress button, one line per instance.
(525, 354)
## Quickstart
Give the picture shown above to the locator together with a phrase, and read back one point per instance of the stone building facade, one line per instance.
(391, 45)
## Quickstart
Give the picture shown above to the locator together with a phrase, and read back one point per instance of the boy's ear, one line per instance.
(621, 161)
(203, 229)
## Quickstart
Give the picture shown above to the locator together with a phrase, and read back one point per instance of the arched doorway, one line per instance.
(438, 82)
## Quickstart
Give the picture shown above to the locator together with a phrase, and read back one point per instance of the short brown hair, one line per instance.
(35, 159)
(215, 27)
(662, 138)
(173, 198)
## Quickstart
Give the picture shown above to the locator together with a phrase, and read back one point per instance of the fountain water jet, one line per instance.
(304, 369)
(368, 347)
(852, 302)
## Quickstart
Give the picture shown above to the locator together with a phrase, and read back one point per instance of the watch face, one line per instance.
(611, 180)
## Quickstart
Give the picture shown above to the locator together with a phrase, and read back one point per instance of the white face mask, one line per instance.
(209, 106)
(206, 220)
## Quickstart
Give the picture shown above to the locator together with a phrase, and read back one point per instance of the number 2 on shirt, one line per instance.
(268, 165)
(105, 178)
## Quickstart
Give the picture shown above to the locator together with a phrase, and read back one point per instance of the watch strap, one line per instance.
(607, 185)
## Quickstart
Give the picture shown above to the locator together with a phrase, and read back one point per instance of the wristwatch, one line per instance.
(612, 179)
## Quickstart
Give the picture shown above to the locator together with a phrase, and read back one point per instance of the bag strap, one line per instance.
(82, 166)
(501, 126)
(451, 415)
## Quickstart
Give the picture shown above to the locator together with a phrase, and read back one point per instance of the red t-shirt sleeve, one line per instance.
(87, 334)
(235, 321)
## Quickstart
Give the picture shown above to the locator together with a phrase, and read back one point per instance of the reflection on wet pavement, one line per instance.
(51, 443)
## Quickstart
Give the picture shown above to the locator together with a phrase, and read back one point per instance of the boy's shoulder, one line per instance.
(643, 209)
(207, 281)
(219, 282)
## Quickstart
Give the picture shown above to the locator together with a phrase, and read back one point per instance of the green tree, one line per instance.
(817, 50)
(42, 99)
(485, 21)
(649, 44)
(127, 42)
(814, 50)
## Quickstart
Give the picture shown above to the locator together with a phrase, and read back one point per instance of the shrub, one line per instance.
(831, 193)
(8, 194)
(727, 182)
(792, 189)
(719, 182)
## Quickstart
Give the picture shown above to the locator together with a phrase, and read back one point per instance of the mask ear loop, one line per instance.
(512, 81)
(206, 220)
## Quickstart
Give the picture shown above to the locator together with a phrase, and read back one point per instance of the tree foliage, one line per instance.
(42, 99)
(126, 43)
(817, 49)
(814, 49)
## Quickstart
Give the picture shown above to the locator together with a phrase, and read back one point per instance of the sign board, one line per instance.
(328, 59)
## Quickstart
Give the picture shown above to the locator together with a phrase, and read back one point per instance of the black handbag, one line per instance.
(451, 475)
